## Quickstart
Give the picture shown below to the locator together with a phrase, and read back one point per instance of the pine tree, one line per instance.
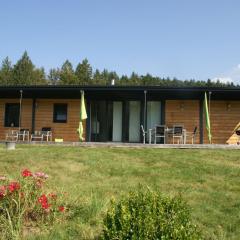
(113, 76)
(98, 78)
(134, 79)
(25, 73)
(84, 73)
(6, 72)
(67, 75)
(39, 77)
(54, 76)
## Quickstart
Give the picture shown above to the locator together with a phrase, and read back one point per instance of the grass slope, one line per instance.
(208, 179)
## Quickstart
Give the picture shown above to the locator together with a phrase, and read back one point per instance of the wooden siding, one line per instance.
(183, 112)
(26, 120)
(224, 116)
(44, 118)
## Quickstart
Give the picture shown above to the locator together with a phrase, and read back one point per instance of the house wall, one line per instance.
(184, 112)
(224, 116)
(44, 118)
(26, 119)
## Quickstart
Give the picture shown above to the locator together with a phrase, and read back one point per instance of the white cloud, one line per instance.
(233, 75)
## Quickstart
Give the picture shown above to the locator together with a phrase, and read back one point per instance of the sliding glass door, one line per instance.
(106, 121)
(153, 114)
(117, 122)
(134, 121)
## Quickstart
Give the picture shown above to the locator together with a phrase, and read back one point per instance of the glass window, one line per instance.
(60, 113)
(12, 111)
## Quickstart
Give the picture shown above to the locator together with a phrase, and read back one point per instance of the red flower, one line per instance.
(61, 208)
(43, 199)
(1, 195)
(26, 173)
(13, 186)
(45, 205)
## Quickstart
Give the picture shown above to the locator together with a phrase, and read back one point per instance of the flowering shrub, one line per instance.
(25, 202)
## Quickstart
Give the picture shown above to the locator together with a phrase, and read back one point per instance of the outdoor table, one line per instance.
(168, 131)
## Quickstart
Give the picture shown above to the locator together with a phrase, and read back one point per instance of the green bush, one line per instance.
(145, 214)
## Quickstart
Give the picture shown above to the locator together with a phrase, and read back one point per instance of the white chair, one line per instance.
(144, 133)
(44, 135)
(37, 135)
(23, 135)
(12, 135)
(47, 133)
(160, 132)
(178, 133)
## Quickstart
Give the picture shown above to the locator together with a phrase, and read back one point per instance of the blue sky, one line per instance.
(186, 39)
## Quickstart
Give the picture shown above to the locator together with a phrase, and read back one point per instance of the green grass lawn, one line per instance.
(209, 180)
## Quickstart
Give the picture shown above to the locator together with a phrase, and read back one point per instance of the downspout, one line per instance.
(20, 109)
(145, 109)
(209, 101)
(209, 110)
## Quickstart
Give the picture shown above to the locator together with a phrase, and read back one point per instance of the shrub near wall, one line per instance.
(145, 214)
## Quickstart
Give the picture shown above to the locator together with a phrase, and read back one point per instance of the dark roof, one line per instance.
(119, 92)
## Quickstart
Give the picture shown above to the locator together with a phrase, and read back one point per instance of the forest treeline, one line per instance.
(24, 72)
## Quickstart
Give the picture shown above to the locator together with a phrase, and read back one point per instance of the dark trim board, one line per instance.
(125, 122)
(163, 112)
(201, 120)
(88, 122)
(33, 114)
(119, 92)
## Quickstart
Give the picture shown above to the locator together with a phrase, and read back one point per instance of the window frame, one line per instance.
(8, 123)
(55, 113)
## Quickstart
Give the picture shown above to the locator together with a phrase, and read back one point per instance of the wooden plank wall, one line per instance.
(26, 115)
(224, 116)
(184, 112)
(44, 118)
